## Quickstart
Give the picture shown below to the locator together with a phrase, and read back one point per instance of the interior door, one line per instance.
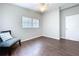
(72, 27)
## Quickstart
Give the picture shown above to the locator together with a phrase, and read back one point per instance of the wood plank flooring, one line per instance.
(44, 46)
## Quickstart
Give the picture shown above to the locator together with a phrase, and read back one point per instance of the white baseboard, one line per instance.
(37, 37)
(69, 39)
(31, 38)
(62, 37)
(52, 37)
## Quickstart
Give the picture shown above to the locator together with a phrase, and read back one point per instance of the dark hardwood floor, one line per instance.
(44, 46)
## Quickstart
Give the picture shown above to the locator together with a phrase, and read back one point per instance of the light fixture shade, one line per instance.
(43, 7)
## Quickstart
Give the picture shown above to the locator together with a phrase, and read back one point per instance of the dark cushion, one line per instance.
(6, 31)
(9, 43)
(0, 40)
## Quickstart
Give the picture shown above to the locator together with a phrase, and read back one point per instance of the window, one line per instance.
(35, 23)
(26, 22)
(30, 23)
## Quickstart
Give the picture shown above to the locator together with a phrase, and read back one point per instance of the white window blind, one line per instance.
(29, 22)
(35, 23)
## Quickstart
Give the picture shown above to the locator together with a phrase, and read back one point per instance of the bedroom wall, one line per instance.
(51, 24)
(10, 19)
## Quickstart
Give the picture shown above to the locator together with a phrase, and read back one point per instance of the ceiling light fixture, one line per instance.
(43, 7)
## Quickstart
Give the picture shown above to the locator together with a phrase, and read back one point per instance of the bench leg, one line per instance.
(9, 51)
(20, 42)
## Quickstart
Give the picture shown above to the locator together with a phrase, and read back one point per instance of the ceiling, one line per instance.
(35, 6)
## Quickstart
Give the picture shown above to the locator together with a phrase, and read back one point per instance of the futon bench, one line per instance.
(8, 43)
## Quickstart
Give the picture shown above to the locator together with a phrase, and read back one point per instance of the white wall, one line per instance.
(10, 19)
(51, 24)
